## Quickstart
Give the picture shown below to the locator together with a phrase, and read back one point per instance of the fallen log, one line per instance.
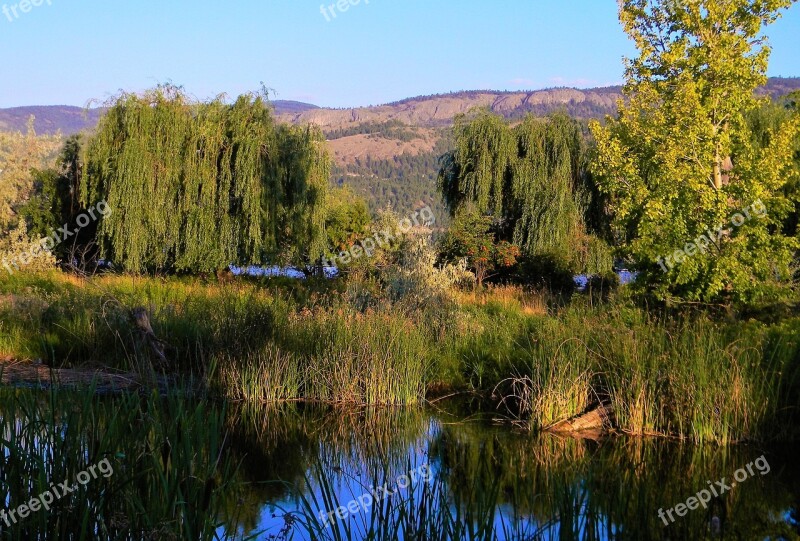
(32, 374)
(595, 421)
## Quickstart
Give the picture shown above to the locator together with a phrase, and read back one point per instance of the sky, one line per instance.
(67, 52)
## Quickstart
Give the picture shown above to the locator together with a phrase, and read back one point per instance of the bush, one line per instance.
(545, 271)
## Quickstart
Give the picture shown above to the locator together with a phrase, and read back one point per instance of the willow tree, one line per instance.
(529, 178)
(680, 160)
(195, 187)
(478, 170)
(300, 175)
(546, 181)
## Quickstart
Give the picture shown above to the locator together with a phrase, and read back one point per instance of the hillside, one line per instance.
(422, 111)
(389, 153)
(439, 110)
(50, 119)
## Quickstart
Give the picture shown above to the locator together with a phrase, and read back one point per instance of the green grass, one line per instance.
(169, 476)
(688, 375)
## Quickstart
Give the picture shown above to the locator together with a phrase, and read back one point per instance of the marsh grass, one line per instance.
(690, 378)
(270, 375)
(679, 375)
(332, 356)
(170, 474)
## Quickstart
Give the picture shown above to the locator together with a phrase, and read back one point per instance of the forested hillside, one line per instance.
(389, 154)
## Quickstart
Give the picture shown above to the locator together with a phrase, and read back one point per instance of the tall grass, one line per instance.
(335, 357)
(688, 376)
(170, 473)
(248, 341)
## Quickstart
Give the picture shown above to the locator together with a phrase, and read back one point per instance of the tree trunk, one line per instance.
(717, 174)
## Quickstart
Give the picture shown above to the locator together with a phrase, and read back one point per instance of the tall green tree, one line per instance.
(301, 174)
(347, 218)
(529, 178)
(680, 160)
(195, 187)
(54, 203)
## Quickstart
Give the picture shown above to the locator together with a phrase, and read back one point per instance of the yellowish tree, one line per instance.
(19, 153)
(698, 203)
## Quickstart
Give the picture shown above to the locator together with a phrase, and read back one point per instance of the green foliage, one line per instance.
(546, 176)
(19, 153)
(347, 218)
(763, 123)
(54, 201)
(417, 281)
(20, 252)
(529, 178)
(195, 187)
(681, 158)
(299, 197)
(41, 211)
(470, 237)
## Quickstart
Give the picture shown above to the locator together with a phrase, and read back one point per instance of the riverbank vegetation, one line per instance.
(164, 475)
(703, 345)
(684, 375)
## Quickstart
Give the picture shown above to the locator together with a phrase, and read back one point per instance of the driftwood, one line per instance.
(141, 321)
(592, 424)
(39, 375)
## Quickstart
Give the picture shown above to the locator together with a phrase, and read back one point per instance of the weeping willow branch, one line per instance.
(529, 179)
(198, 186)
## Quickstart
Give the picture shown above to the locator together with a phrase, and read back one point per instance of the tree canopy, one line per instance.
(681, 161)
(530, 178)
(19, 154)
(195, 187)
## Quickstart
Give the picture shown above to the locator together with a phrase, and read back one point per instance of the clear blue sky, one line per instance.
(70, 51)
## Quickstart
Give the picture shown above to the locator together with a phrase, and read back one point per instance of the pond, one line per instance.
(177, 467)
(453, 473)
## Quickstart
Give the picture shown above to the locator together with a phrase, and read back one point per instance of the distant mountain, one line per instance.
(49, 119)
(285, 107)
(440, 110)
(390, 153)
(423, 111)
(779, 86)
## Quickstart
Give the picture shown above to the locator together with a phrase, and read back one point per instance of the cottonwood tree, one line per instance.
(680, 160)
(195, 187)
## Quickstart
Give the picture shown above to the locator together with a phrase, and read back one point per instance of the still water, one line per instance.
(445, 472)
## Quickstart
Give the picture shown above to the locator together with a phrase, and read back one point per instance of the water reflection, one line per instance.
(490, 481)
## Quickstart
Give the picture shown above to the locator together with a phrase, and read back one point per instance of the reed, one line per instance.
(689, 376)
(168, 475)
